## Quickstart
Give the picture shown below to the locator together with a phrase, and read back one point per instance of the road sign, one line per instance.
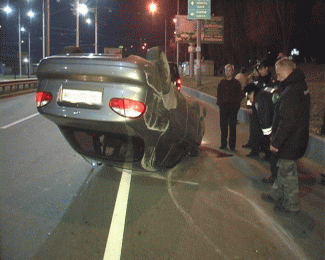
(199, 9)
(212, 30)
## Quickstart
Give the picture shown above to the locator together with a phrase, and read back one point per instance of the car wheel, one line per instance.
(194, 151)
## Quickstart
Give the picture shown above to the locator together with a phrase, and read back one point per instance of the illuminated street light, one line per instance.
(31, 14)
(82, 9)
(153, 8)
(295, 52)
(7, 9)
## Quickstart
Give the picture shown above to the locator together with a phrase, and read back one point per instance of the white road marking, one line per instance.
(115, 237)
(19, 121)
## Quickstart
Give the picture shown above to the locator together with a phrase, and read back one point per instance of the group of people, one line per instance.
(279, 123)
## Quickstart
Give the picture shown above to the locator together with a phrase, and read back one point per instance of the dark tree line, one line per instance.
(251, 29)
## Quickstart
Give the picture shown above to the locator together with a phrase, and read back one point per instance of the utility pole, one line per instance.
(19, 46)
(77, 23)
(177, 43)
(198, 54)
(47, 28)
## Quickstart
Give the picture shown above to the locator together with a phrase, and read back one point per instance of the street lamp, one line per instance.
(80, 9)
(8, 10)
(88, 21)
(31, 14)
(153, 8)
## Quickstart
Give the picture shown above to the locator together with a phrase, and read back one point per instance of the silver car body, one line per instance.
(81, 88)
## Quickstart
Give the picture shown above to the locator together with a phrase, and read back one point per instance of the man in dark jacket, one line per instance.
(260, 125)
(229, 97)
(290, 134)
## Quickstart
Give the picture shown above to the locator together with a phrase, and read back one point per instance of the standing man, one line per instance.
(229, 96)
(261, 123)
(290, 134)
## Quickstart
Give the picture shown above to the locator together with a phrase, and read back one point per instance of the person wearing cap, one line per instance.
(261, 125)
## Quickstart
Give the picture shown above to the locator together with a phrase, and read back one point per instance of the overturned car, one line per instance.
(124, 112)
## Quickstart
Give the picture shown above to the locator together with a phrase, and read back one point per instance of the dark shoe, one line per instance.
(268, 198)
(280, 209)
(269, 180)
(251, 155)
(222, 147)
(246, 145)
(233, 149)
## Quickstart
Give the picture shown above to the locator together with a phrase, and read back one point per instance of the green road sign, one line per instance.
(199, 9)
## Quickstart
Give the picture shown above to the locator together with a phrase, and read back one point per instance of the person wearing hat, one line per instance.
(261, 119)
(261, 140)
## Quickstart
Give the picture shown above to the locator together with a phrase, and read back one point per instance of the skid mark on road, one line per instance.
(274, 227)
(189, 219)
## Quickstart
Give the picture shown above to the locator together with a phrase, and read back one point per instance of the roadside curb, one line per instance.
(316, 145)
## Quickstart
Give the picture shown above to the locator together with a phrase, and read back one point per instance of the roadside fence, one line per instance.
(10, 87)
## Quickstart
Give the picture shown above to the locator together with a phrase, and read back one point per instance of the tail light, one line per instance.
(43, 98)
(179, 84)
(127, 107)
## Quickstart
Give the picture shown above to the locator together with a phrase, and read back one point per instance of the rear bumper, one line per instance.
(128, 144)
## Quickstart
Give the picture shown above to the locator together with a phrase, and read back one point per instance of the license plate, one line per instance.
(88, 97)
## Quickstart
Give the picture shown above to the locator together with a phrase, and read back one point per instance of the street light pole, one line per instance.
(31, 14)
(177, 43)
(47, 28)
(96, 31)
(43, 28)
(77, 23)
(198, 54)
(29, 63)
(19, 46)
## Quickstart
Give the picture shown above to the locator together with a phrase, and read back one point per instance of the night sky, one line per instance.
(123, 22)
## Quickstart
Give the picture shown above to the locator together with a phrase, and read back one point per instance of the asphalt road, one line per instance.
(54, 205)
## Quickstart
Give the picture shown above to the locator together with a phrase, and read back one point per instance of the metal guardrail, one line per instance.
(9, 87)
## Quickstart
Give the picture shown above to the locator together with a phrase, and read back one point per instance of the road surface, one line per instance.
(54, 205)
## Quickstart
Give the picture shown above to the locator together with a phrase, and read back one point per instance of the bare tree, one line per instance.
(260, 25)
(285, 11)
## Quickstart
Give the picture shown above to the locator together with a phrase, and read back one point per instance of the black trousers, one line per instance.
(258, 141)
(228, 119)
